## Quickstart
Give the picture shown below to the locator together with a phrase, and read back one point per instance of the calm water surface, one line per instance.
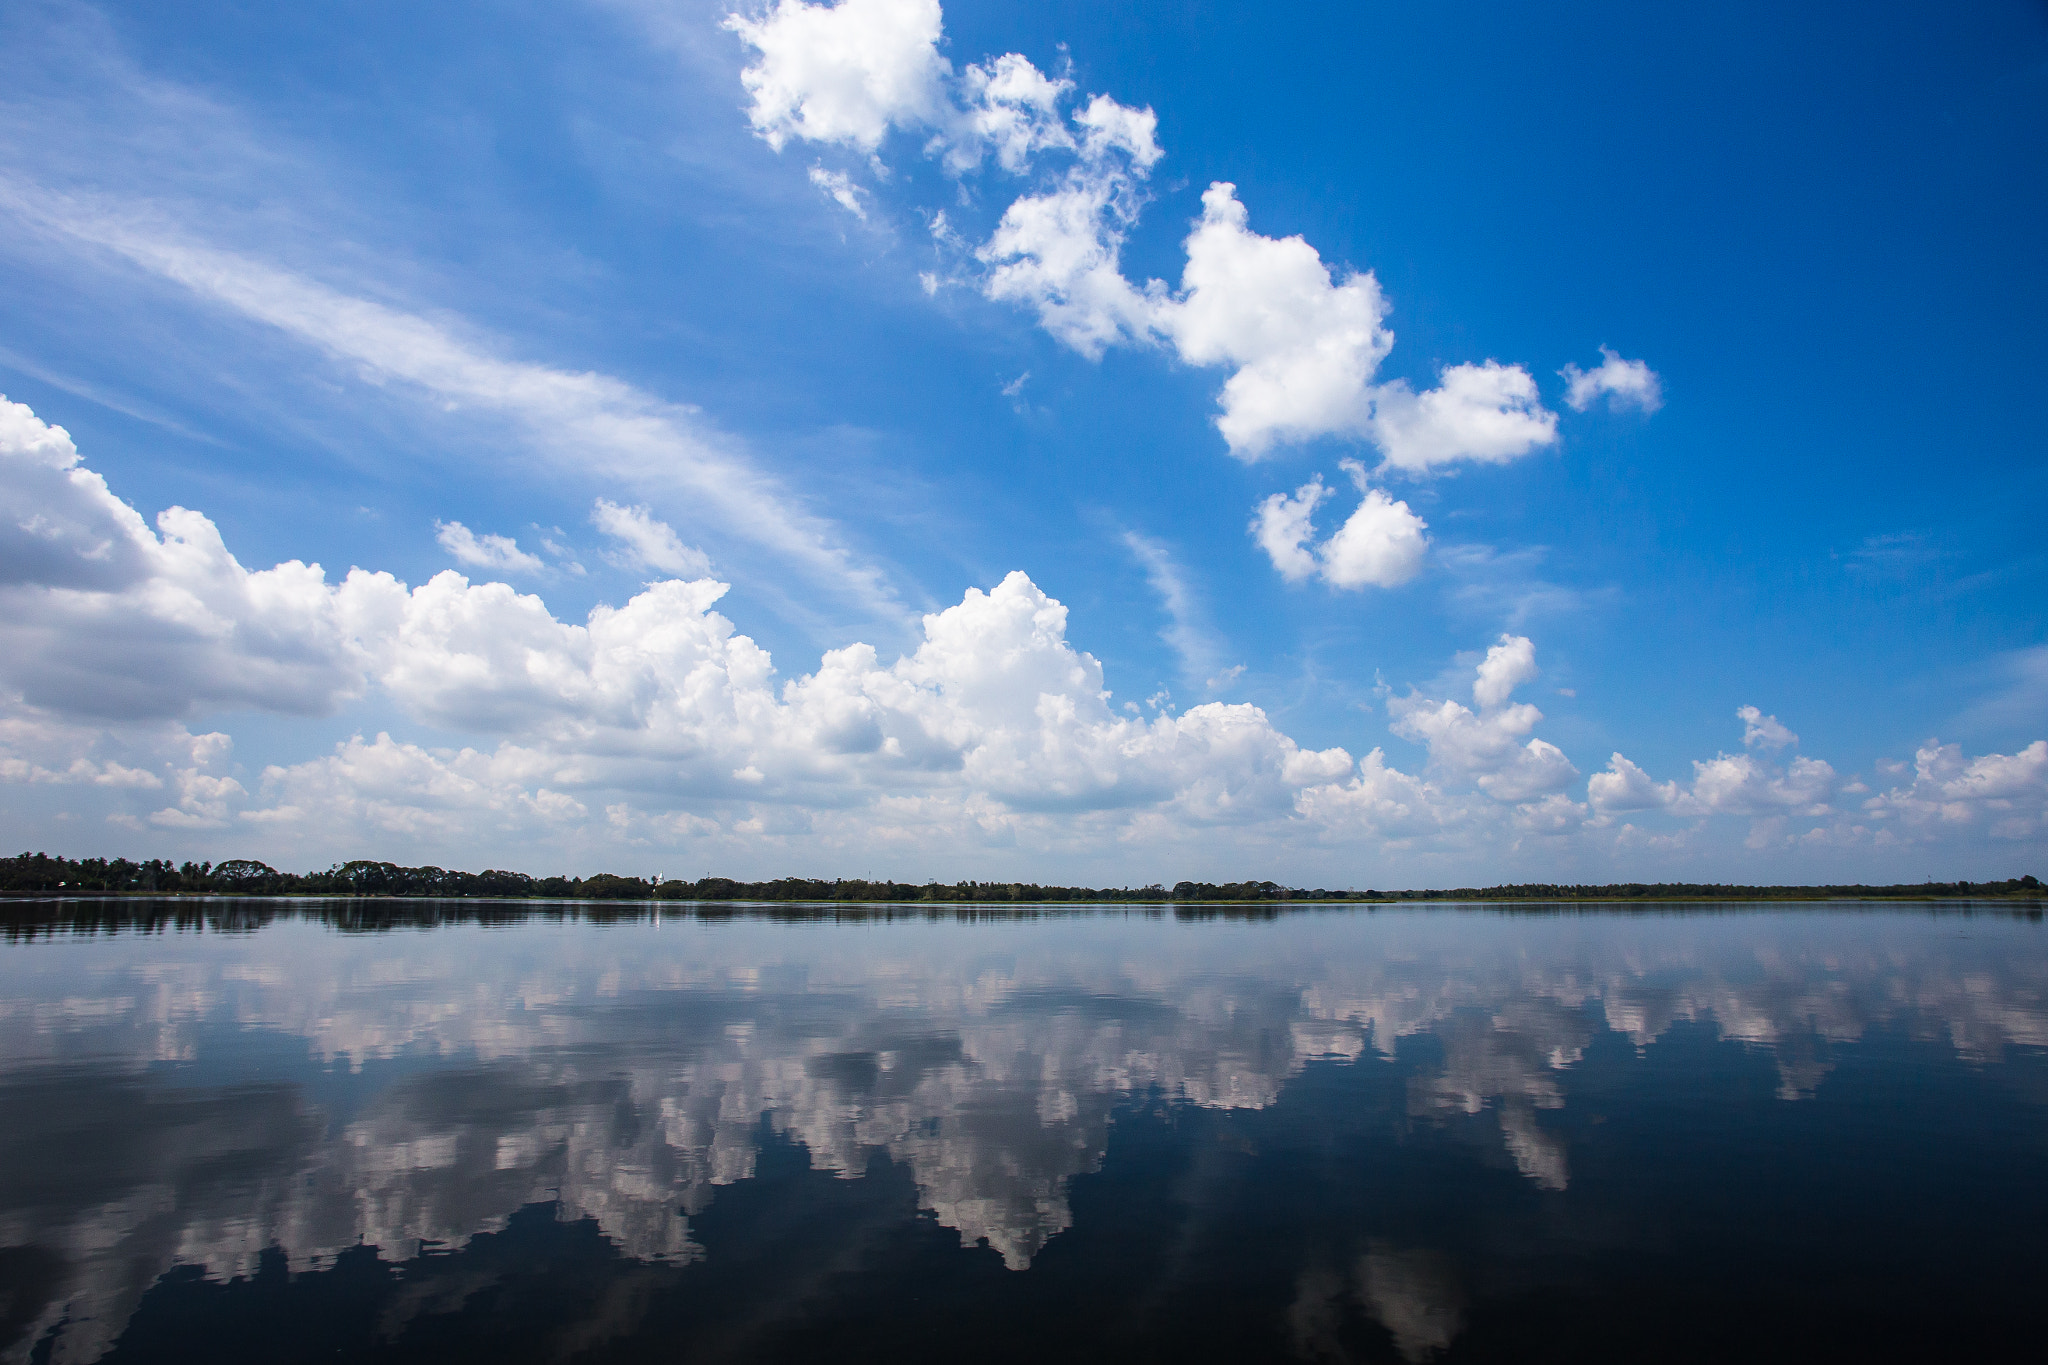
(274, 1132)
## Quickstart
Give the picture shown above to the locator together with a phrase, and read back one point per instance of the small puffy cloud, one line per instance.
(1554, 814)
(1760, 731)
(1284, 525)
(844, 73)
(1107, 126)
(1507, 665)
(840, 189)
(1489, 746)
(1489, 413)
(485, 552)
(1059, 253)
(1381, 544)
(1742, 784)
(1626, 787)
(1624, 383)
(646, 543)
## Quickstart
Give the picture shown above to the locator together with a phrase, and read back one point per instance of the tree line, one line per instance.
(42, 874)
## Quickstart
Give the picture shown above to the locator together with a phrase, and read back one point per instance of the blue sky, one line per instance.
(861, 311)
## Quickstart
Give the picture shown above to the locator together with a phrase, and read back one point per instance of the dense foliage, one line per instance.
(41, 874)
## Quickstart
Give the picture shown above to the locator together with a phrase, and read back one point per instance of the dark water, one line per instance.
(299, 1134)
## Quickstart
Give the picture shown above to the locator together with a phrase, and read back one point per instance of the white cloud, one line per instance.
(1009, 108)
(646, 543)
(1283, 526)
(2003, 795)
(1058, 252)
(100, 616)
(1107, 126)
(1508, 664)
(1624, 383)
(839, 187)
(1762, 731)
(1303, 349)
(844, 73)
(1187, 630)
(1489, 413)
(993, 737)
(848, 74)
(485, 552)
(1742, 784)
(1626, 787)
(1381, 544)
(599, 424)
(1489, 747)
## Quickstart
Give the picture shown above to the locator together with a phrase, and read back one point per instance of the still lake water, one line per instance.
(297, 1131)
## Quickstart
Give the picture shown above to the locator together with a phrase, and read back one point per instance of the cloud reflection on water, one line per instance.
(196, 1099)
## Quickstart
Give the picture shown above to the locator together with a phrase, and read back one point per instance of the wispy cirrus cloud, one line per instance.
(1188, 632)
(501, 553)
(583, 421)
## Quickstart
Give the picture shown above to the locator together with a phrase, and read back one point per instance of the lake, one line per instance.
(275, 1131)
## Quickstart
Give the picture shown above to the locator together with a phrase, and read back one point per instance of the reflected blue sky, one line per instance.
(205, 1099)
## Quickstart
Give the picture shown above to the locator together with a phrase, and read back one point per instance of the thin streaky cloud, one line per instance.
(595, 422)
(1186, 632)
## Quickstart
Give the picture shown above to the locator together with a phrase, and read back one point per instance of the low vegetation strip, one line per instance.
(39, 874)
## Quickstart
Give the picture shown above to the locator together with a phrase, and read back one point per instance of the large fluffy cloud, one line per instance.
(657, 724)
(2005, 794)
(102, 616)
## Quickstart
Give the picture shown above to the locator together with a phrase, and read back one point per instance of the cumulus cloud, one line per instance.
(1626, 787)
(1058, 253)
(485, 552)
(101, 616)
(2003, 795)
(647, 543)
(1743, 784)
(1489, 746)
(1381, 544)
(1489, 413)
(1507, 665)
(1009, 109)
(1760, 731)
(1623, 383)
(1284, 525)
(844, 73)
(659, 721)
(1303, 348)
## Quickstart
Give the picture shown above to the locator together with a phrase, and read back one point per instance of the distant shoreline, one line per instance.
(40, 876)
